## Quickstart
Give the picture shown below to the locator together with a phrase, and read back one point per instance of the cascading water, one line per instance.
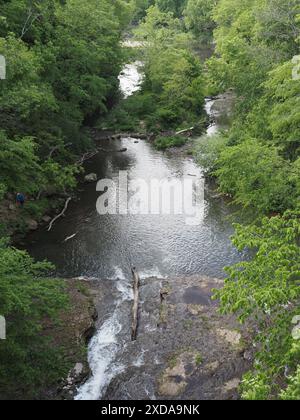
(105, 345)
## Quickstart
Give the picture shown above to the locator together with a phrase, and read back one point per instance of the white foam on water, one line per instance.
(102, 351)
(104, 348)
(118, 274)
(157, 361)
(151, 273)
(125, 289)
(150, 328)
(140, 360)
(150, 394)
(130, 78)
(213, 128)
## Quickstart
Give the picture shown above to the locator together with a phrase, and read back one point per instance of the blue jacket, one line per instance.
(20, 198)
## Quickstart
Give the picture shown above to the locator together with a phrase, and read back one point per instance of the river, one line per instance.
(105, 247)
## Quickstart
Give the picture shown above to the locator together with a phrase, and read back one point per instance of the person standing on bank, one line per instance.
(20, 199)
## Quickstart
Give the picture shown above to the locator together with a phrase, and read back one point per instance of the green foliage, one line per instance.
(140, 9)
(172, 94)
(259, 166)
(282, 95)
(28, 359)
(293, 390)
(162, 143)
(198, 359)
(20, 170)
(61, 73)
(2, 190)
(63, 61)
(127, 115)
(175, 7)
(57, 178)
(208, 150)
(198, 15)
(36, 209)
(246, 48)
(266, 290)
(257, 177)
(255, 386)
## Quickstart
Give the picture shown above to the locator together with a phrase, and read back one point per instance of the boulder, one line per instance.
(46, 219)
(91, 178)
(32, 224)
(12, 207)
(123, 150)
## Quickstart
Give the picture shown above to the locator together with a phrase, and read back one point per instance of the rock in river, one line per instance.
(46, 219)
(91, 178)
(32, 224)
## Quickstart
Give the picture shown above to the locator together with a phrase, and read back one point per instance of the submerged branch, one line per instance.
(59, 215)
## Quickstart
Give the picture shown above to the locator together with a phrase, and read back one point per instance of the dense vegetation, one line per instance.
(62, 75)
(29, 360)
(258, 163)
(63, 60)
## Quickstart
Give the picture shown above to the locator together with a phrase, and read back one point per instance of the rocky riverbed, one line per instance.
(184, 349)
(71, 334)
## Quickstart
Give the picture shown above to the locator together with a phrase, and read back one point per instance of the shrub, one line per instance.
(257, 176)
(28, 359)
(208, 150)
(266, 290)
(163, 143)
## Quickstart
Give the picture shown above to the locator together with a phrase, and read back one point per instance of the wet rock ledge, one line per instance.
(185, 349)
(76, 326)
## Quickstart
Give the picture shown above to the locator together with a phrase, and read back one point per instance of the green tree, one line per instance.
(266, 290)
(141, 7)
(20, 169)
(28, 358)
(259, 166)
(62, 74)
(173, 74)
(256, 176)
(176, 7)
(198, 16)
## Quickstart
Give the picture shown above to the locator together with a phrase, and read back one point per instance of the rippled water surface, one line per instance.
(156, 244)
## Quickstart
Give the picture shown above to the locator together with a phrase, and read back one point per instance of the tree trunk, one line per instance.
(135, 309)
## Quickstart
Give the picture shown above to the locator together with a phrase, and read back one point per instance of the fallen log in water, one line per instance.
(135, 308)
(87, 156)
(60, 214)
(70, 237)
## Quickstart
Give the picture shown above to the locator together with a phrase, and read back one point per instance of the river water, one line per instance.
(105, 247)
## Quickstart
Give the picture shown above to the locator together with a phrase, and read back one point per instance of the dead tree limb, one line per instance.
(185, 131)
(54, 149)
(29, 22)
(86, 157)
(135, 308)
(70, 237)
(60, 214)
